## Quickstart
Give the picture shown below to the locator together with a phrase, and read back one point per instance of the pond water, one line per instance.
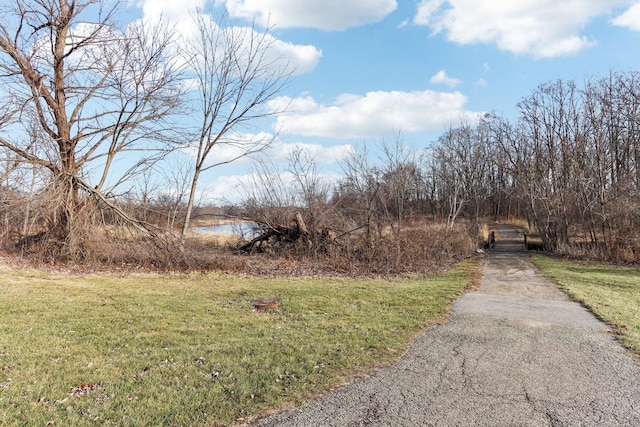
(238, 228)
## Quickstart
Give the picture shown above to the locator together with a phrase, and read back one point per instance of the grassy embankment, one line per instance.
(611, 292)
(188, 350)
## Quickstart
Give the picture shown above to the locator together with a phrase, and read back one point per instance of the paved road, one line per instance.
(516, 352)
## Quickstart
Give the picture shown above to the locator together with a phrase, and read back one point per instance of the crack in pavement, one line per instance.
(516, 351)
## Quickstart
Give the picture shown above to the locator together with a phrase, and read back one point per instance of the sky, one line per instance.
(370, 70)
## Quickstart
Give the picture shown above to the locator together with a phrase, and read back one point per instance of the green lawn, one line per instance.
(188, 350)
(611, 292)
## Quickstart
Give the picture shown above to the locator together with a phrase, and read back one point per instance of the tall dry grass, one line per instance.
(420, 249)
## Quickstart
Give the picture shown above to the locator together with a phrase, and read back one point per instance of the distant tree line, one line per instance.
(569, 165)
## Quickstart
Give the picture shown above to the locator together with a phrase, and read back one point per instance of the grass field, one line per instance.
(611, 292)
(188, 349)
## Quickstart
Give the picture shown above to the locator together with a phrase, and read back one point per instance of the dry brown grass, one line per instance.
(420, 248)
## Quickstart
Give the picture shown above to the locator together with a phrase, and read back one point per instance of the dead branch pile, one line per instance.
(295, 233)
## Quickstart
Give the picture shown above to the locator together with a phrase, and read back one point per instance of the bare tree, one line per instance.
(272, 200)
(550, 121)
(95, 91)
(569, 164)
(235, 75)
(178, 176)
(400, 180)
(358, 193)
(312, 188)
(461, 156)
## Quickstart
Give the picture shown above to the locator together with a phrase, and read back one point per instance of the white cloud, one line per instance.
(177, 12)
(403, 24)
(441, 77)
(225, 189)
(482, 82)
(299, 58)
(330, 15)
(239, 146)
(372, 115)
(234, 188)
(171, 8)
(541, 28)
(235, 151)
(426, 10)
(303, 58)
(322, 155)
(629, 19)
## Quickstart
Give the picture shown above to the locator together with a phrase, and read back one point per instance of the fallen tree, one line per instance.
(296, 232)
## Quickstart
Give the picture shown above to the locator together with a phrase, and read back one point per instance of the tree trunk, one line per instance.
(192, 197)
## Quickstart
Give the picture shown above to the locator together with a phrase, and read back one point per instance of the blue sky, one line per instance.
(370, 68)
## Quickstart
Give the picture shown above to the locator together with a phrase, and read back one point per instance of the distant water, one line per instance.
(239, 228)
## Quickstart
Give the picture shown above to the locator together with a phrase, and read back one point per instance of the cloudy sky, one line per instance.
(368, 69)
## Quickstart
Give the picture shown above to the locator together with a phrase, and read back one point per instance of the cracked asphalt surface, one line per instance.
(516, 352)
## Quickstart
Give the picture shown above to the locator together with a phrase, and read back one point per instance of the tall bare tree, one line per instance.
(400, 179)
(235, 75)
(95, 90)
(359, 192)
(550, 121)
(461, 155)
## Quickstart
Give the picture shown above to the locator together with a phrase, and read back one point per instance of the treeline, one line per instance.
(569, 164)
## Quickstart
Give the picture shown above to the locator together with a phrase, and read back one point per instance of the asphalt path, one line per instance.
(515, 352)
